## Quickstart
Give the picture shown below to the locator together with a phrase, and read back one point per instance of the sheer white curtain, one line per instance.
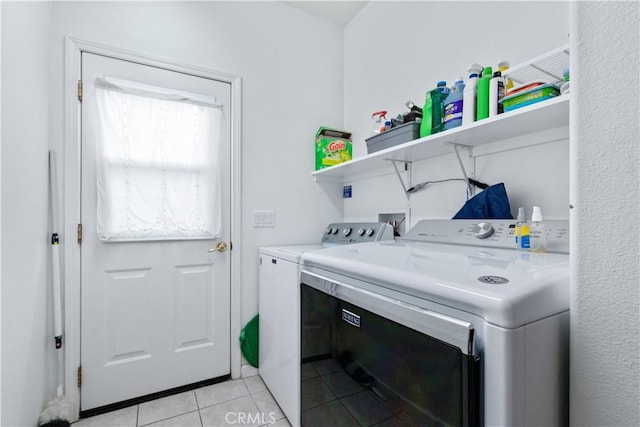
(157, 163)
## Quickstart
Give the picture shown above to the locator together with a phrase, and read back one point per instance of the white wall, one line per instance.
(395, 53)
(27, 347)
(0, 211)
(605, 223)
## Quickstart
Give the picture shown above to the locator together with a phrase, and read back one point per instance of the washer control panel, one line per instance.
(482, 230)
(356, 232)
(495, 233)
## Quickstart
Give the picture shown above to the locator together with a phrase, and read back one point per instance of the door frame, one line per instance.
(72, 200)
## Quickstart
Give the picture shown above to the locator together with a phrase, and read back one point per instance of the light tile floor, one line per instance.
(243, 402)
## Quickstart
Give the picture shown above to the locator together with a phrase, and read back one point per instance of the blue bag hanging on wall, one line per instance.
(492, 203)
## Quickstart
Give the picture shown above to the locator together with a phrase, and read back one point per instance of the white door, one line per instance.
(155, 307)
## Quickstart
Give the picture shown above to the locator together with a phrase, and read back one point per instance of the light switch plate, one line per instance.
(264, 218)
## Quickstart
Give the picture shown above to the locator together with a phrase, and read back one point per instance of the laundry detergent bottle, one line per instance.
(470, 95)
(496, 93)
(453, 105)
(433, 111)
(438, 96)
(482, 111)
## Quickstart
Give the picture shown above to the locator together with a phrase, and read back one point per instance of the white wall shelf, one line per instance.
(549, 114)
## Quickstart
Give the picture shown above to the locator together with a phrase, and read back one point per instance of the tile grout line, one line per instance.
(198, 406)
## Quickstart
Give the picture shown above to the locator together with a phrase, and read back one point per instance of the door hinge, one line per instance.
(230, 246)
(79, 376)
(80, 90)
(79, 234)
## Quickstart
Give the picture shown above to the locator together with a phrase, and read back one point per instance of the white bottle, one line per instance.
(470, 94)
(508, 83)
(496, 93)
(537, 232)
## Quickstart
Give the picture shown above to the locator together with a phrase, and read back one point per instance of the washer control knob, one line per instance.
(335, 230)
(369, 232)
(346, 231)
(360, 231)
(482, 230)
(329, 230)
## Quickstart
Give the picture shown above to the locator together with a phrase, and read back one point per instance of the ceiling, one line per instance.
(338, 12)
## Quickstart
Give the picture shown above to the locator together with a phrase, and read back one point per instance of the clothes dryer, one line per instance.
(279, 284)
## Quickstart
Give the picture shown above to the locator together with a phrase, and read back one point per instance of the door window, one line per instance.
(157, 163)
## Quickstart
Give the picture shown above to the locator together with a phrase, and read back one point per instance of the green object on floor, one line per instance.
(249, 341)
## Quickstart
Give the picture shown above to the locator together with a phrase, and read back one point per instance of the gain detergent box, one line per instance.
(333, 146)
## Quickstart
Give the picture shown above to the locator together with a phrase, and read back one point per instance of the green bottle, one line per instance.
(482, 109)
(427, 111)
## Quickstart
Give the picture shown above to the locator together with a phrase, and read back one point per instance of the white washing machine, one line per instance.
(279, 284)
(449, 326)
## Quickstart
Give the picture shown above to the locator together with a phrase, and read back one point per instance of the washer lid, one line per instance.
(505, 287)
(288, 253)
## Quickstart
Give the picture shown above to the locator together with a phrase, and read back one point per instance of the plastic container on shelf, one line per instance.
(470, 95)
(438, 96)
(394, 136)
(379, 118)
(453, 105)
(504, 66)
(482, 107)
(433, 111)
(427, 112)
(496, 93)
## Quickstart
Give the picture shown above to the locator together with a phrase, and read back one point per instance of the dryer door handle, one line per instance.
(455, 332)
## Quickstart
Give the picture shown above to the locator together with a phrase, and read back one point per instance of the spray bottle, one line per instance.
(538, 238)
(469, 98)
(379, 119)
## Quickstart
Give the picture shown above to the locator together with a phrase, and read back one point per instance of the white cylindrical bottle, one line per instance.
(537, 232)
(508, 83)
(470, 93)
(496, 93)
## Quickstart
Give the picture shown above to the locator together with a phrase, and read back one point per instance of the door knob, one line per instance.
(220, 247)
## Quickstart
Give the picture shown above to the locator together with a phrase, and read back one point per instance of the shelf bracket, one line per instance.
(457, 147)
(395, 167)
